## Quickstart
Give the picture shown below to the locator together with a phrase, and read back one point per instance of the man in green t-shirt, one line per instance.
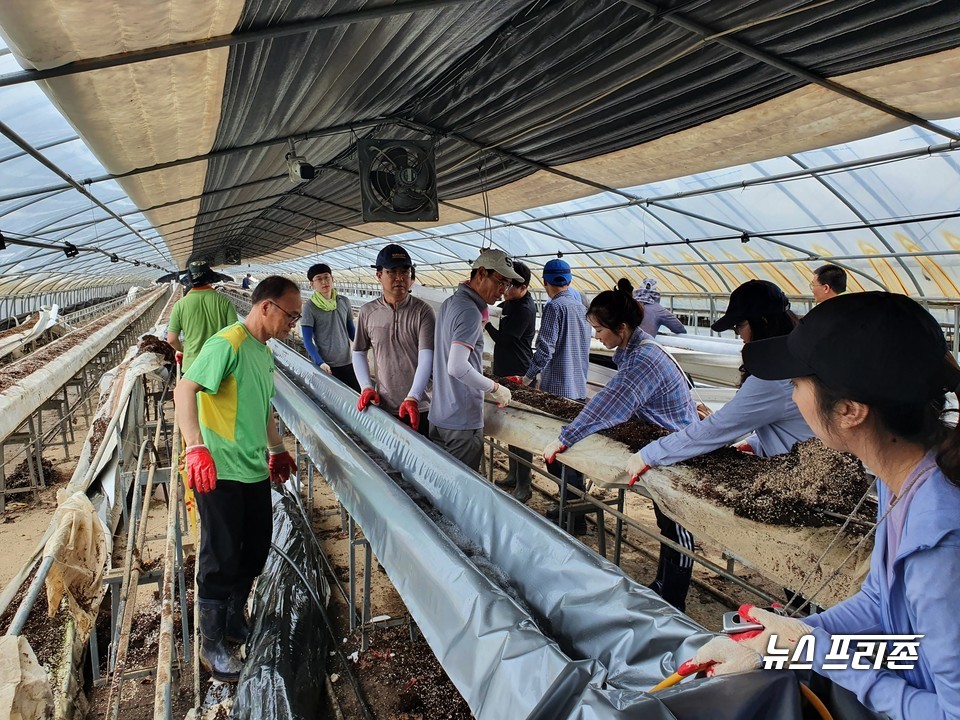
(223, 409)
(199, 314)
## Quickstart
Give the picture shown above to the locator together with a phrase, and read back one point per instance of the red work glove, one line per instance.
(551, 451)
(179, 357)
(410, 410)
(369, 395)
(746, 447)
(281, 464)
(518, 379)
(201, 470)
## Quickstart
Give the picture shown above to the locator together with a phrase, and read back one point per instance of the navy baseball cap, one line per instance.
(557, 272)
(392, 256)
(870, 347)
(751, 301)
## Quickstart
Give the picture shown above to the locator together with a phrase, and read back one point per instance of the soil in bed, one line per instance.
(805, 487)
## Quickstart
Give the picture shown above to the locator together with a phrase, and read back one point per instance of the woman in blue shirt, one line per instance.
(648, 386)
(880, 396)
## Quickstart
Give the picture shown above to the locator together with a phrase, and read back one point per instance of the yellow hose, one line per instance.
(818, 705)
(669, 682)
(804, 690)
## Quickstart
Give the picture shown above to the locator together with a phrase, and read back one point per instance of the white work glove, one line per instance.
(325, 368)
(636, 466)
(787, 629)
(500, 394)
(527, 381)
(722, 656)
(551, 451)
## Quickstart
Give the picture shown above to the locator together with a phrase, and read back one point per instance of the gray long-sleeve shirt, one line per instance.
(762, 407)
(656, 316)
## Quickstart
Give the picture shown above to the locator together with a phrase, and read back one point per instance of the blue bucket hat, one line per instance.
(557, 272)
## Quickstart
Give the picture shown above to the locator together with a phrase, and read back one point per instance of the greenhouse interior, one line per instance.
(543, 359)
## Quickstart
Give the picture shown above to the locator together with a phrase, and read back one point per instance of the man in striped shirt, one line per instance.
(562, 355)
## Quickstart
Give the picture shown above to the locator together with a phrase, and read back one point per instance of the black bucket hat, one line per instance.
(200, 273)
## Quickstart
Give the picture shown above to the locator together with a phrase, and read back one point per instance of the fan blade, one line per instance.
(383, 183)
(406, 201)
(398, 156)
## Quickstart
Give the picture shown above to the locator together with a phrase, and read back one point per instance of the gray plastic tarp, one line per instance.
(583, 602)
(491, 650)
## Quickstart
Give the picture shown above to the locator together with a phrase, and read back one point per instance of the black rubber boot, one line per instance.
(676, 583)
(523, 490)
(219, 662)
(507, 481)
(237, 628)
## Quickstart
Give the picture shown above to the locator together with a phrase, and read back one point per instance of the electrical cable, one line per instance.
(333, 634)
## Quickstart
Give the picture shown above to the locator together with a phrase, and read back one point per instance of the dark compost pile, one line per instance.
(151, 343)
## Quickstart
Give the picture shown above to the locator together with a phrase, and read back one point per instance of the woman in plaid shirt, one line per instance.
(648, 386)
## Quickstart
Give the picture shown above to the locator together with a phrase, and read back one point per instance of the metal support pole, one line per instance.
(352, 534)
(365, 613)
(618, 540)
(23, 612)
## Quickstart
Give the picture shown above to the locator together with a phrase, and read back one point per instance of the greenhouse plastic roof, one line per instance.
(676, 139)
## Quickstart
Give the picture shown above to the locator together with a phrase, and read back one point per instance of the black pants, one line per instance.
(236, 525)
(675, 569)
(572, 477)
(520, 471)
(345, 374)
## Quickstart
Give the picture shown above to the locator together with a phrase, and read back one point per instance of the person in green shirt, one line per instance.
(198, 315)
(224, 413)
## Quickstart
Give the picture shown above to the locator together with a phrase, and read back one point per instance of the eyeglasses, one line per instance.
(738, 328)
(398, 272)
(517, 283)
(499, 279)
(292, 317)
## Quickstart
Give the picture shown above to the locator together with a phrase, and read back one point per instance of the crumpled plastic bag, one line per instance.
(24, 688)
(80, 555)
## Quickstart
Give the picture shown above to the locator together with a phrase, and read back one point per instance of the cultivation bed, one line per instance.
(777, 515)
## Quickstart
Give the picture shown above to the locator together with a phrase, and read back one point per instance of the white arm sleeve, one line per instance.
(422, 376)
(459, 368)
(361, 368)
